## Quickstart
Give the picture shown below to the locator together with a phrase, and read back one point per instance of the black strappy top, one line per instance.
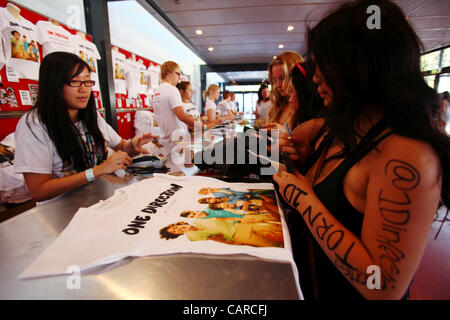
(329, 282)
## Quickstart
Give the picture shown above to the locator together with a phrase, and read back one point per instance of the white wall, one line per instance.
(134, 29)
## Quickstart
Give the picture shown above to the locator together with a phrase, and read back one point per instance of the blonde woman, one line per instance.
(168, 105)
(212, 113)
(279, 77)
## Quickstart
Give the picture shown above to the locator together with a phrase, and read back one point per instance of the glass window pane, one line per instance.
(430, 80)
(430, 61)
(444, 83)
(446, 58)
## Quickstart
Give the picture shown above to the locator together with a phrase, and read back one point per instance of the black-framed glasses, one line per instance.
(78, 83)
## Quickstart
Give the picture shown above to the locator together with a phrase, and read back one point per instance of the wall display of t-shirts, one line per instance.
(26, 38)
(132, 87)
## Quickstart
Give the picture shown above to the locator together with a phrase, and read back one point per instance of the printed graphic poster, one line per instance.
(168, 215)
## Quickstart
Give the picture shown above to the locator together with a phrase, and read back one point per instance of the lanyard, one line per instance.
(87, 147)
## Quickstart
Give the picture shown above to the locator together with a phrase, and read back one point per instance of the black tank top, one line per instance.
(318, 275)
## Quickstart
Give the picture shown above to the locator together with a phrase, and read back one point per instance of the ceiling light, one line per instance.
(280, 46)
(210, 49)
(290, 28)
(274, 57)
(198, 31)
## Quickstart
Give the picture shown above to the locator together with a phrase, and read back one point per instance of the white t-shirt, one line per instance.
(166, 98)
(132, 77)
(211, 105)
(119, 63)
(22, 54)
(143, 78)
(54, 38)
(262, 109)
(233, 106)
(223, 107)
(154, 72)
(88, 51)
(191, 110)
(36, 152)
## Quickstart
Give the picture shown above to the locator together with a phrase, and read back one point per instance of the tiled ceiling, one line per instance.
(250, 31)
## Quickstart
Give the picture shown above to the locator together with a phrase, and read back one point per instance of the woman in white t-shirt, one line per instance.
(190, 109)
(212, 113)
(262, 105)
(224, 106)
(62, 141)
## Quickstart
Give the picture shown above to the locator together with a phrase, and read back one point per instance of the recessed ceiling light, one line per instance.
(198, 31)
(290, 28)
(210, 49)
(280, 46)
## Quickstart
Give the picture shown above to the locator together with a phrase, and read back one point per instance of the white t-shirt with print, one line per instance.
(191, 110)
(166, 98)
(36, 152)
(22, 56)
(132, 77)
(143, 78)
(119, 66)
(54, 38)
(88, 51)
(154, 73)
(223, 107)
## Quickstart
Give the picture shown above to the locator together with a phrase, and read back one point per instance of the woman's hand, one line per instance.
(291, 185)
(118, 160)
(138, 142)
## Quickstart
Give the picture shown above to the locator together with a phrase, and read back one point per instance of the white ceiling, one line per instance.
(249, 31)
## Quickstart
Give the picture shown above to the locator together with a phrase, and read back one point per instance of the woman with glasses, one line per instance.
(62, 141)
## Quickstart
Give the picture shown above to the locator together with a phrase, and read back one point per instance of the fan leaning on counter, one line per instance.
(62, 140)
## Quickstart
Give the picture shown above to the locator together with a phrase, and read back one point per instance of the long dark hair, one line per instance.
(376, 66)
(56, 70)
(260, 90)
(309, 102)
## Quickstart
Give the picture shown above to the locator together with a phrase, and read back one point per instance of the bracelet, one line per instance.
(90, 175)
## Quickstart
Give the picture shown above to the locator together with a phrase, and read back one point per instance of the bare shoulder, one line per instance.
(406, 154)
(308, 129)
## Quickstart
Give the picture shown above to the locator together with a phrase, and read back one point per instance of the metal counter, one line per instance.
(178, 276)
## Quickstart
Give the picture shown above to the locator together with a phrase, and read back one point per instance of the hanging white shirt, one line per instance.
(119, 63)
(54, 38)
(88, 51)
(154, 73)
(22, 56)
(166, 98)
(143, 78)
(132, 78)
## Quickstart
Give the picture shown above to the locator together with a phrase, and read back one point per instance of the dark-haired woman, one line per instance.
(374, 174)
(62, 140)
(262, 105)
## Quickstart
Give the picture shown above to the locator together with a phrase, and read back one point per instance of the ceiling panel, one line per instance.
(249, 31)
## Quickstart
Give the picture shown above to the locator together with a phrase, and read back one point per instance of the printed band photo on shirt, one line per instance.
(232, 217)
(23, 48)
